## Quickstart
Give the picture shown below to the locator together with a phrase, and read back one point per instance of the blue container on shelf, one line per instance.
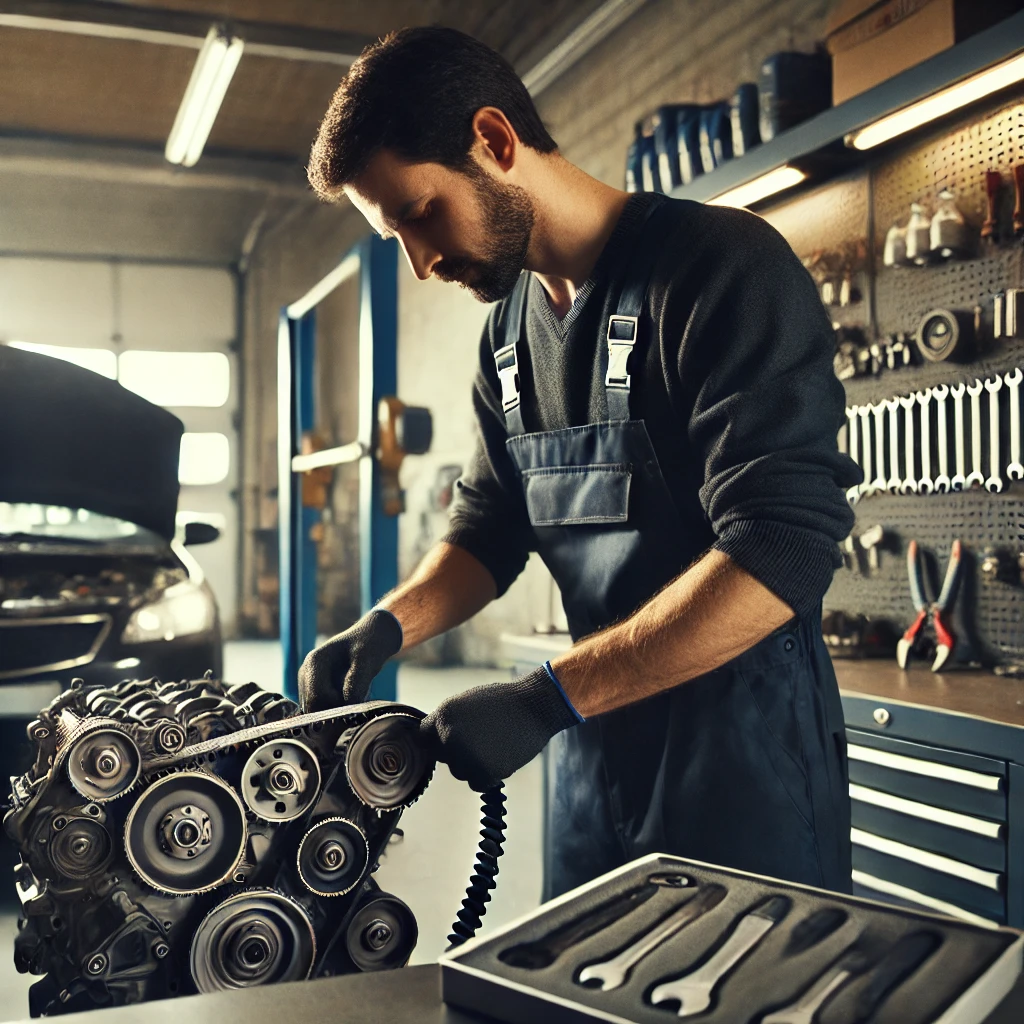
(688, 142)
(650, 175)
(715, 136)
(743, 118)
(665, 121)
(793, 87)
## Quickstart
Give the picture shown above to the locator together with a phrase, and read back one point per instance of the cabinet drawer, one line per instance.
(963, 837)
(972, 890)
(928, 775)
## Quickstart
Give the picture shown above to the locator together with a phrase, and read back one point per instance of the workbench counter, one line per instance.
(998, 699)
(408, 996)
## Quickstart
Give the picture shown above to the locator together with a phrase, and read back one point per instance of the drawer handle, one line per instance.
(881, 716)
(935, 862)
(913, 896)
(866, 795)
(933, 769)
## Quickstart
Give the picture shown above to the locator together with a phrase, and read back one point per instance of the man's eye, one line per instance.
(422, 214)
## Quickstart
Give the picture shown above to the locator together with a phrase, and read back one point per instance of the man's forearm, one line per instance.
(710, 614)
(448, 587)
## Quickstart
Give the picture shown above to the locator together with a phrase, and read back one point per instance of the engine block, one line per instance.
(194, 837)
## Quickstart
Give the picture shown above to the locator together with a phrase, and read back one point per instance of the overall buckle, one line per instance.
(622, 335)
(507, 363)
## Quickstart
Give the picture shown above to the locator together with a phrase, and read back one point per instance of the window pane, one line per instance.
(205, 459)
(99, 360)
(177, 378)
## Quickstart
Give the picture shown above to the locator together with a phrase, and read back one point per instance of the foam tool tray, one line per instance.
(749, 950)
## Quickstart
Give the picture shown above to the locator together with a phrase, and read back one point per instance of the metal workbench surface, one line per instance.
(389, 997)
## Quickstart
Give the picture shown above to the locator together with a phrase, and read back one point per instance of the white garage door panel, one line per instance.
(177, 308)
(54, 302)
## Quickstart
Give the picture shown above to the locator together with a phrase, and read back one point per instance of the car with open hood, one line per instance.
(96, 581)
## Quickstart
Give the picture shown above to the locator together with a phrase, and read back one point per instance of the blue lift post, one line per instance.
(376, 262)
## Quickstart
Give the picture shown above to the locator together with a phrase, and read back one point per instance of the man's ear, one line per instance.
(495, 138)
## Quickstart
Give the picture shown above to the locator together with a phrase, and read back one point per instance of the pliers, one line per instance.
(937, 610)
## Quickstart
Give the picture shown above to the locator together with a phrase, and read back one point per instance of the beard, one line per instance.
(508, 221)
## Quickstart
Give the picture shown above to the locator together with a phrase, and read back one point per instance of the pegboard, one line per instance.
(989, 614)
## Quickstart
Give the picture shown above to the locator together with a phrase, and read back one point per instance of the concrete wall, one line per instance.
(670, 51)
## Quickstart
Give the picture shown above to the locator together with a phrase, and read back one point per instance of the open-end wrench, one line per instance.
(804, 1010)
(957, 394)
(868, 486)
(975, 478)
(939, 393)
(1015, 470)
(878, 411)
(543, 952)
(994, 483)
(693, 990)
(613, 973)
(909, 484)
(893, 405)
(853, 438)
(925, 485)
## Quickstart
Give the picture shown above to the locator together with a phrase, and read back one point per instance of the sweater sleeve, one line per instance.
(756, 361)
(488, 515)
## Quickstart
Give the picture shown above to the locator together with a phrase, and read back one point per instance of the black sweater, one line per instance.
(736, 387)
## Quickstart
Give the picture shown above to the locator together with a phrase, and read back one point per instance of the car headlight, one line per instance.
(182, 610)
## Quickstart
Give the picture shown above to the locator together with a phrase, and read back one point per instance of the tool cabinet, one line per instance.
(937, 789)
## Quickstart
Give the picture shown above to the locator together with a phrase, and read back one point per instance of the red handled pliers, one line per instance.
(937, 610)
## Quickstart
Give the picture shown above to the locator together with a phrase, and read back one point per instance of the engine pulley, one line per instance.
(78, 847)
(386, 763)
(103, 764)
(382, 934)
(281, 779)
(186, 833)
(258, 937)
(332, 857)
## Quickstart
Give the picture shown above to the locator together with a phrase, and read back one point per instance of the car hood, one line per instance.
(71, 437)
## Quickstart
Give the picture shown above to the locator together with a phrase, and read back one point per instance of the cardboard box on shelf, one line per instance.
(872, 40)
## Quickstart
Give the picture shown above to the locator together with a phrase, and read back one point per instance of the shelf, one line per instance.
(819, 141)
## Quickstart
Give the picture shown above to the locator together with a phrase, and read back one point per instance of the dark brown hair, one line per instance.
(416, 92)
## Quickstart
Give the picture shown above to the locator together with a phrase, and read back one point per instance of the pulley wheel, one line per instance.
(259, 937)
(280, 781)
(103, 764)
(386, 763)
(382, 934)
(943, 334)
(186, 833)
(78, 848)
(332, 857)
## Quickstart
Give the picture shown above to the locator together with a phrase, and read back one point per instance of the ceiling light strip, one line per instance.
(939, 104)
(760, 188)
(214, 68)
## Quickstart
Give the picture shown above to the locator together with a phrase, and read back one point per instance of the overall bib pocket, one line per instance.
(578, 495)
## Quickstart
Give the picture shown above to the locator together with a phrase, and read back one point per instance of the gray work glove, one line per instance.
(487, 733)
(341, 670)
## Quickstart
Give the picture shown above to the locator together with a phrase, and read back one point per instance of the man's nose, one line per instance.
(422, 257)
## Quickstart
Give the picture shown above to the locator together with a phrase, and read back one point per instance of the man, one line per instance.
(657, 415)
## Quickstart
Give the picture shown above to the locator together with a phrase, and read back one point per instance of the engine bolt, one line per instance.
(108, 762)
(97, 964)
(378, 934)
(331, 856)
(59, 823)
(40, 732)
(160, 950)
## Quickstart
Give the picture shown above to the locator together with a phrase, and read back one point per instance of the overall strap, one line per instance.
(506, 359)
(624, 324)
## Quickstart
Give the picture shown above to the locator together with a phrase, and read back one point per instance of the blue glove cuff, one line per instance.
(558, 686)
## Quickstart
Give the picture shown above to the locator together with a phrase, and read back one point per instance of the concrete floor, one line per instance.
(430, 866)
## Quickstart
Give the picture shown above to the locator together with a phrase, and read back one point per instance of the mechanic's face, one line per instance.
(463, 226)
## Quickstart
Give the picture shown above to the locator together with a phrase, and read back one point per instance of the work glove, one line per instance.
(487, 733)
(341, 670)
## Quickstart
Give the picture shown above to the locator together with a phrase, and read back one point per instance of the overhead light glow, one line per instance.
(211, 76)
(760, 188)
(970, 90)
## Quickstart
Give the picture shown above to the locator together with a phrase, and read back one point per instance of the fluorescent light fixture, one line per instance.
(211, 76)
(970, 90)
(760, 188)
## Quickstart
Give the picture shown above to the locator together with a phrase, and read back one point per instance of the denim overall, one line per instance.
(743, 767)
